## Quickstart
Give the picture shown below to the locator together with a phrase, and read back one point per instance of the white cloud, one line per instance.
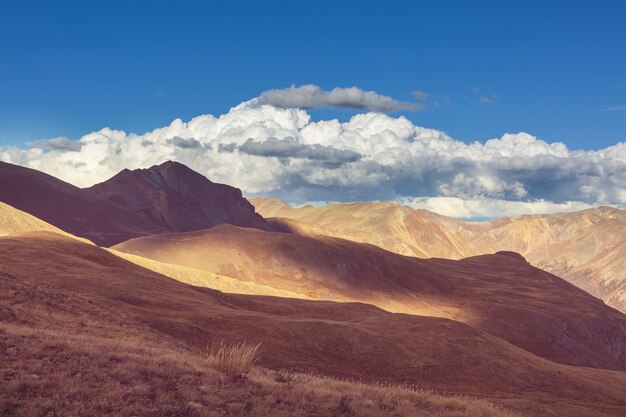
(311, 96)
(490, 208)
(271, 151)
(59, 143)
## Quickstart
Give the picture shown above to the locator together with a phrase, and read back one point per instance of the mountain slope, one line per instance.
(58, 286)
(14, 221)
(388, 225)
(500, 294)
(587, 248)
(178, 199)
(70, 208)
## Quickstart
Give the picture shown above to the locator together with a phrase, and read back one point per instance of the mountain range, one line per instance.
(115, 291)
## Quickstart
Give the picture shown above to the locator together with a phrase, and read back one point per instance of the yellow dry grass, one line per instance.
(234, 359)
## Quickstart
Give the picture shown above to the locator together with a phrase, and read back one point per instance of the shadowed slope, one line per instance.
(57, 284)
(499, 294)
(70, 208)
(178, 198)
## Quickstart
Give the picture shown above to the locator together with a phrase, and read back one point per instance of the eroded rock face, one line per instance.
(179, 199)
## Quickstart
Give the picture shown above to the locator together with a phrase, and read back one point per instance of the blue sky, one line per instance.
(553, 69)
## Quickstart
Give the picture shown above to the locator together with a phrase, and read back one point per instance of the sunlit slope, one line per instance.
(396, 228)
(587, 248)
(206, 279)
(500, 294)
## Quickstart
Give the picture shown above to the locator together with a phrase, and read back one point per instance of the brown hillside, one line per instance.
(500, 294)
(55, 286)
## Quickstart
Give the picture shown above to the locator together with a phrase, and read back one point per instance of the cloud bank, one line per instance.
(271, 151)
(311, 96)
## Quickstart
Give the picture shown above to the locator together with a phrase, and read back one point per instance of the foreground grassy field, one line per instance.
(51, 373)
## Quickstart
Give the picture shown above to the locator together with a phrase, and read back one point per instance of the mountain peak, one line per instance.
(171, 165)
(179, 198)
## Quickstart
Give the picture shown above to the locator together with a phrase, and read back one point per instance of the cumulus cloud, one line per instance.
(311, 96)
(271, 151)
(56, 144)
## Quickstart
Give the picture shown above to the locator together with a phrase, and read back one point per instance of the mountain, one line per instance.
(498, 294)
(167, 197)
(391, 226)
(178, 199)
(587, 248)
(70, 208)
(82, 311)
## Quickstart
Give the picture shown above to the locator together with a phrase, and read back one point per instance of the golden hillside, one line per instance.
(587, 248)
(396, 228)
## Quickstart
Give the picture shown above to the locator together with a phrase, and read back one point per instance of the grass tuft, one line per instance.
(235, 359)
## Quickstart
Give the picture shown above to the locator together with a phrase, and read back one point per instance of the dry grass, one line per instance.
(233, 359)
(51, 372)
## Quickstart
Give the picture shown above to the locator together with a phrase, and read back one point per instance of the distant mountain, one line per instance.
(587, 248)
(498, 294)
(178, 199)
(391, 226)
(70, 208)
